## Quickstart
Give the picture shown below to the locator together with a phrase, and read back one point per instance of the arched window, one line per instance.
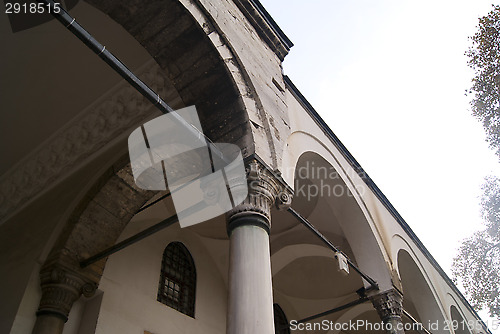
(280, 321)
(177, 286)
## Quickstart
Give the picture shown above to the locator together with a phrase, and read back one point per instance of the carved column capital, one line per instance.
(389, 304)
(60, 289)
(265, 189)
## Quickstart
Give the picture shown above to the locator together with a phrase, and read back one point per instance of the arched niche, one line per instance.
(326, 199)
(304, 270)
(458, 323)
(419, 300)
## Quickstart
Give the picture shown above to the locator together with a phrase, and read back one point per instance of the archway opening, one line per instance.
(458, 323)
(305, 271)
(418, 299)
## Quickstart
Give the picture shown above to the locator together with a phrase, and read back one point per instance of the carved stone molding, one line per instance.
(266, 28)
(60, 289)
(283, 200)
(97, 125)
(389, 305)
(265, 189)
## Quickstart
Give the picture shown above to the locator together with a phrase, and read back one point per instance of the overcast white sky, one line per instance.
(389, 77)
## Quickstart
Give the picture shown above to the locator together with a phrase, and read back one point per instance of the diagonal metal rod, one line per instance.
(129, 241)
(415, 321)
(327, 242)
(159, 199)
(333, 310)
(70, 23)
(143, 234)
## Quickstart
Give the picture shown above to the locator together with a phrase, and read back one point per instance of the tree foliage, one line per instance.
(484, 59)
(477, 265)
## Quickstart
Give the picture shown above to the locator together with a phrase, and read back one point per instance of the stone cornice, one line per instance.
(100, 123)
(265, 26)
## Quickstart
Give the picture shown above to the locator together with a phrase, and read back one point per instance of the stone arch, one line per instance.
(458, 322)
(195, 58)
(344, 202)
(420, 300)
(204, 72)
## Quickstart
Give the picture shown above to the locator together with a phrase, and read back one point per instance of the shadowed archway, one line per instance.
(419, 300)
(323, 196)
(188, 50)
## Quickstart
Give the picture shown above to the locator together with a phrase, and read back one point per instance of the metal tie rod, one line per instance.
(70, 23)
(143, 234)
(415, 321)
(313, 229)
(129, 241)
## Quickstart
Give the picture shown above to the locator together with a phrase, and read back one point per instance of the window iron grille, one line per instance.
(177, 286)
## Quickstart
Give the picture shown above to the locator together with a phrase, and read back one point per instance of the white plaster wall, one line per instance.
(130, 286)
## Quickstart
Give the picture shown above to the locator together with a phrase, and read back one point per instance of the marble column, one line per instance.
(250, 304)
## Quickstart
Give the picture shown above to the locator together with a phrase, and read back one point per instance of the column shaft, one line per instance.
(250, 299)
(48, 324)
(250, 308)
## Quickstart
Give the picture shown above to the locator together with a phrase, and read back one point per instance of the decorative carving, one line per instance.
(283, 200)
(264, 189)
(106, 119)
(88, 289)
(60, 289)
(389, 305)
(253, 171)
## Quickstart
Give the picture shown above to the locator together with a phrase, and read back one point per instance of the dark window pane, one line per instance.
(280, 321)
(178, 279)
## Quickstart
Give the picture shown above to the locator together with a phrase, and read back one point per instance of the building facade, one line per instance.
(67, 191)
